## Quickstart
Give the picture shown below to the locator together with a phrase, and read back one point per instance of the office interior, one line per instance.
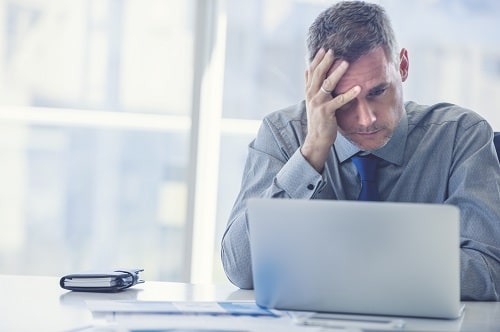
(124, 124)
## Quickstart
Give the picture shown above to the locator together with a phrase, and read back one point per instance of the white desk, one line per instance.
(32, 303)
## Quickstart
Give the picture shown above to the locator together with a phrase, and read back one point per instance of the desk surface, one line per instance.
(34, 303)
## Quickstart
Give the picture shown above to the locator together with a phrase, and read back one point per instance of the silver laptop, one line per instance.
(391, 259)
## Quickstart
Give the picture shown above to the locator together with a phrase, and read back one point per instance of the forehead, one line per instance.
(368, 71)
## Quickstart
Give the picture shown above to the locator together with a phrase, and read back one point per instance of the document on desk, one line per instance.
(162, 316)
(223, 308)
(246, 316)
(187, 316)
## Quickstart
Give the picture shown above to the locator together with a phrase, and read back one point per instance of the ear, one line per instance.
(404, 64)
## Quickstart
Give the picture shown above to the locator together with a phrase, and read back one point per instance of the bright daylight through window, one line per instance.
(124, 125)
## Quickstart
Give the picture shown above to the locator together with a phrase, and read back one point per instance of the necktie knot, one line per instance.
(367, 169)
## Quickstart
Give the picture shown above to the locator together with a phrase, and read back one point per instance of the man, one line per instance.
(354, 106)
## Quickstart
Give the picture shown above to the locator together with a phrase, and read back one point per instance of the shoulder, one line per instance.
(443, 115)
(285, 129)
(295, 116)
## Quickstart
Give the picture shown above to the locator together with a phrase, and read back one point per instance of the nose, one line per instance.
(364, 114)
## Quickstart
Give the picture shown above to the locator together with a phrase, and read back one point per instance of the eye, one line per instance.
(377, 91)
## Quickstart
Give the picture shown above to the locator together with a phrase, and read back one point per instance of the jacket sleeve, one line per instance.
(274, 168)
(474, 186)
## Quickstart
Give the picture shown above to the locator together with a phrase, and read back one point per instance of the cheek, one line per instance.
(344, 119)
(395, 103)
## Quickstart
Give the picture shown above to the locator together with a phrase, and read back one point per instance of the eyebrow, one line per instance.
(375, 88)
(380, 86)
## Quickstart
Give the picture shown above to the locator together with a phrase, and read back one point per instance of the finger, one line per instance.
(314, 63)
(334, 75)
(345, 97)
(335, 65)
(317, 58)
(319, 73)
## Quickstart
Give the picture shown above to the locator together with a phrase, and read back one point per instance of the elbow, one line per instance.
(244, 282)
(238, 270)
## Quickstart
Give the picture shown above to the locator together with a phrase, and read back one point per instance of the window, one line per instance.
(95, 117)
(125, 124)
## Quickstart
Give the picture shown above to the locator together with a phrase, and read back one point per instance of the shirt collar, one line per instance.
(392, 152)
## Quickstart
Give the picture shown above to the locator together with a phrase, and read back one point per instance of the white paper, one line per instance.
(233, 308)
(244, 316)
(90, 282)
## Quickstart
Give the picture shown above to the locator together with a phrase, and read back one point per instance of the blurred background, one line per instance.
(124, 124)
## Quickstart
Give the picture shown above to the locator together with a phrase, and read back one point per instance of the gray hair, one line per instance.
(352, 29)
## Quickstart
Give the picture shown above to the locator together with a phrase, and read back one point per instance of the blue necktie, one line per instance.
(367, 169)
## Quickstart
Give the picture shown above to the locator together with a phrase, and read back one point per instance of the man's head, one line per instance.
(361, 34)
(352, 29)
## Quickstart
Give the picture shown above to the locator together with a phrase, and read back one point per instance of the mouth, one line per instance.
(369, 140)
(368, 133)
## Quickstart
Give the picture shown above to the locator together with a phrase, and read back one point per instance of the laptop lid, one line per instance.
(396, 259)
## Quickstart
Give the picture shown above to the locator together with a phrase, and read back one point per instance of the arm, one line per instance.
(474, 187)
(283, 163)
(274, 168)
(322, 76)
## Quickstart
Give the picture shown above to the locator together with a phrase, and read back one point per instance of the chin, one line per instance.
(371, 145)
